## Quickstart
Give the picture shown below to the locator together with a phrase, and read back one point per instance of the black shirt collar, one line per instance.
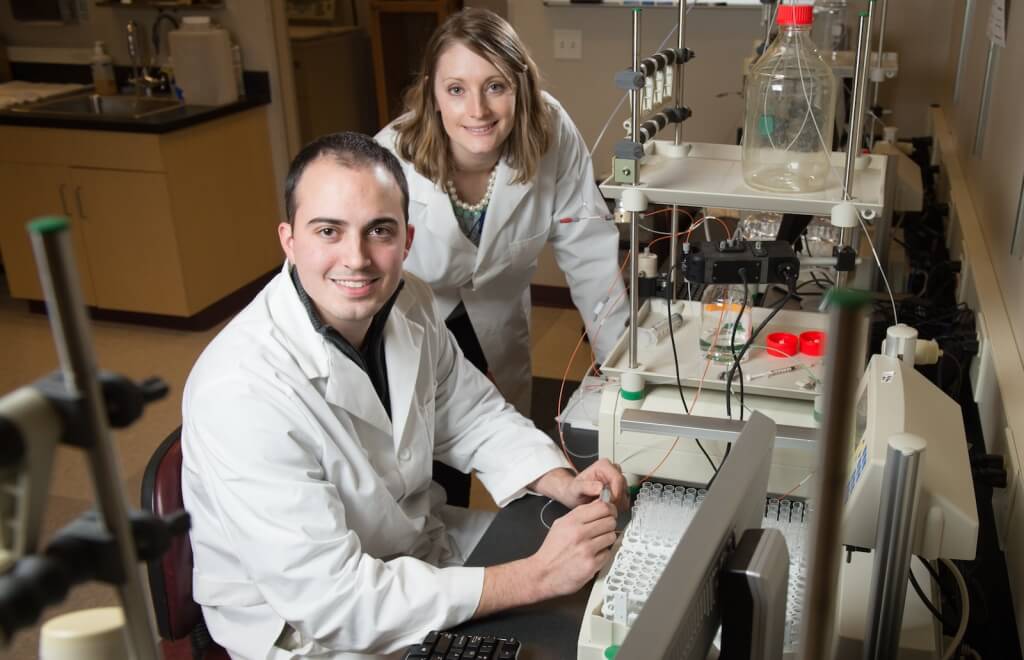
(371, 358)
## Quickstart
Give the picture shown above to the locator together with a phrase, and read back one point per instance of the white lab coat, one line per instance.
(493, 281)
(315, 515)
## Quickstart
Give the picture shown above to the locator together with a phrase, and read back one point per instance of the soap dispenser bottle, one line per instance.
(102, 71)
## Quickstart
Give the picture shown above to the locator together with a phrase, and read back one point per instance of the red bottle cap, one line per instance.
(812, 342)
(781, 344)
(795, 15)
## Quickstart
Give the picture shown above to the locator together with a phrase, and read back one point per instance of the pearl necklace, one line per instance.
(453, 193)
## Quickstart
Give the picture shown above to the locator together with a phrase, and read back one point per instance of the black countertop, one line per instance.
(257, 86)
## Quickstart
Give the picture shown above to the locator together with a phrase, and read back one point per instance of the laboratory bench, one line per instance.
(257, 88)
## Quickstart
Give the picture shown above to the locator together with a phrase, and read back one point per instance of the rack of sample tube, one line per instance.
(661, 514)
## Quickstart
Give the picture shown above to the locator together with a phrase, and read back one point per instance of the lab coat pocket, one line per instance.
(523, 253)
(512, 263)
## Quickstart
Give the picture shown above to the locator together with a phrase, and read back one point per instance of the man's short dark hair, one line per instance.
(348, 149)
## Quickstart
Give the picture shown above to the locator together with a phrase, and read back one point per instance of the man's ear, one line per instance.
(284, 234)
(410, 230)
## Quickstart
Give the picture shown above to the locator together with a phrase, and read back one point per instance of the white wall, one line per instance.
(249, 21)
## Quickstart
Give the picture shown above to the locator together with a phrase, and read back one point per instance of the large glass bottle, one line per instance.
(790, 110)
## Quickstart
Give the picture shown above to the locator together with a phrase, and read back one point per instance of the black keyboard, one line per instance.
(455, 646)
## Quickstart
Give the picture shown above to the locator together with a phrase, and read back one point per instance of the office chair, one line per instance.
(179, 619)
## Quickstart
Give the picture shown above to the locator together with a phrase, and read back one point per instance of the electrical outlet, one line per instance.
(568, 44)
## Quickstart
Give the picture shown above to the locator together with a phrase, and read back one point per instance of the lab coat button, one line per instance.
(404, 454)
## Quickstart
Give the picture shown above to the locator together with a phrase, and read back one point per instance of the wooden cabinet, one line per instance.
(30, 191)
(161, 224)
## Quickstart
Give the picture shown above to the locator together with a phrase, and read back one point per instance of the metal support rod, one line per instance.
(634, 217)
(673, 246)
(51, 244)
(861, 62)
(844, 351)
(965, 38)
(878, 83)
(894, 537)
(678, 81)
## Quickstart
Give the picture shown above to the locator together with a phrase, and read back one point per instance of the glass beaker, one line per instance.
(790, 109)
(830, 32)
(725, 318)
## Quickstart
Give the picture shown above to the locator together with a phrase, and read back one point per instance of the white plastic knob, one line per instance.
(844, 214)
(634, 199)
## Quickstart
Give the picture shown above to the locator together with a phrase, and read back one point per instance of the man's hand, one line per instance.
(572, 491)
(575, 549)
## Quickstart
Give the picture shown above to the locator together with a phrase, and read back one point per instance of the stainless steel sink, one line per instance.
(94, 105)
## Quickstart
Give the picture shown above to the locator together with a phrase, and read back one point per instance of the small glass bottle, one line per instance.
(725, 318)
(790, 109)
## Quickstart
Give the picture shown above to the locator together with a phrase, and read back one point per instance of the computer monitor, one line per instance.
(895, 398)
(682, 614)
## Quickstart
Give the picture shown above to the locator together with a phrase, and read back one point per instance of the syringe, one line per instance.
(651, 336)
(566, 221)
(777, 371)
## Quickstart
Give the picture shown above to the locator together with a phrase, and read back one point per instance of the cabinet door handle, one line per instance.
(78, 201)
(63, 201)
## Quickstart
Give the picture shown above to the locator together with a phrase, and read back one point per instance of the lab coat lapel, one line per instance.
(350, 388)
(439, 217)
(402, 341)
(505, 198)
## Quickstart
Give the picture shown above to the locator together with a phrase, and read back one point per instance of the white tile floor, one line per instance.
(138, 352)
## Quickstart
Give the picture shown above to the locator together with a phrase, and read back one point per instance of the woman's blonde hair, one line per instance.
(421, 138)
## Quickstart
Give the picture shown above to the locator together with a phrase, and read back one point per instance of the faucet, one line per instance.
(141, 80)
(161, 17)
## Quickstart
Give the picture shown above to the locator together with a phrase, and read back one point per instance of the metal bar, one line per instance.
(634, 217)
(894, 538)
(51, 244)
(857, 110)
(845, 349)
(709, 428)
(965, 35)
(986, 99)
(861, 63)
(673, 248)
(679, 80)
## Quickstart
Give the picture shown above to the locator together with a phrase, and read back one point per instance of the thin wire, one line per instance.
(878, 262)
(796, 487)
(732, 341)
(924, 599)
(965, 609)
(542, 510)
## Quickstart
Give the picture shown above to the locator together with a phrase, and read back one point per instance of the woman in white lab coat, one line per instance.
(494, 166)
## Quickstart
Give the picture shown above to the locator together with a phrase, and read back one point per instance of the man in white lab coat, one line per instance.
(310, 424)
